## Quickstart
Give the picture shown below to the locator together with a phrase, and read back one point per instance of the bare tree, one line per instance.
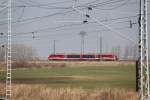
(23, 52)
(117, 51)
(126, 52)
(2, 52)
(130, 52)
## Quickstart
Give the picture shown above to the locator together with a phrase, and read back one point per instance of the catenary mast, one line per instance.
(143, 52)
(8, 73)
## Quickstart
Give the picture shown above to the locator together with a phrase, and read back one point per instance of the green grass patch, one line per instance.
(82, 77)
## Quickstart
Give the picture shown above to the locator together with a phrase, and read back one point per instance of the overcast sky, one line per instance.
(56, 20)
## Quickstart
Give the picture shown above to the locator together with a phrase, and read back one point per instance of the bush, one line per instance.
(2, 66)
(57, 65)
(20, 64)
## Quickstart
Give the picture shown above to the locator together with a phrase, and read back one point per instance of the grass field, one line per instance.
(90, 77)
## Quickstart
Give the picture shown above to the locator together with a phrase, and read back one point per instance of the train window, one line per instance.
(88, 56)
(73, 56)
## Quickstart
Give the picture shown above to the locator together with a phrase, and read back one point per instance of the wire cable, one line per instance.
(108, 27)
(77, 24)
(118, 6)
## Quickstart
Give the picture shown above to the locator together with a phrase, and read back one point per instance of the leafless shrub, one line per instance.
(20, 64)
(23, 52)
(25, 64)
(57, 65)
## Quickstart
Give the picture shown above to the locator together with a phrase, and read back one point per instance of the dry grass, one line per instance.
(2, 66)
(27, 64)
(60, 64)
(38, 92)
(2, 90)
(42, 92)
(82, 63)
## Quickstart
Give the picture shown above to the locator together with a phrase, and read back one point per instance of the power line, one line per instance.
(41, 17)
(108, 27)
(41, 39)
(106, 3)
(4, 8)
(70, 25)
(46, 4)
(70, 34)
(20, 17)
(118, 6)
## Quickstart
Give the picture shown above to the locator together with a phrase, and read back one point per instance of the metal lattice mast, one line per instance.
(143, 52)
(8, 74)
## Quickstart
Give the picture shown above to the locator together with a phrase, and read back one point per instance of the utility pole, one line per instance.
(101, 45)
(82, 34)
(143, 66)
(54, 47)
(118, 51)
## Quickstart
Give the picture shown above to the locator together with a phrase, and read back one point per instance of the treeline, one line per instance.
(26, 52)
(128, 52)
(19, 52)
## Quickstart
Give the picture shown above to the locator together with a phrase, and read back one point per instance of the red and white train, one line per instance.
(83, 57)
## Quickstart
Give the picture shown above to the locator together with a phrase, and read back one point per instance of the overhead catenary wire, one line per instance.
(82, 5)
(38, 18)
(66, 34)
(59, 28)
(21, 15)
(32, 18)
(46, 4)
(4, 8)
(104, 3)
(54, 7)
(110, 0)
(108, 27)
(137, 15)
(118, 6)
(49, 4)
